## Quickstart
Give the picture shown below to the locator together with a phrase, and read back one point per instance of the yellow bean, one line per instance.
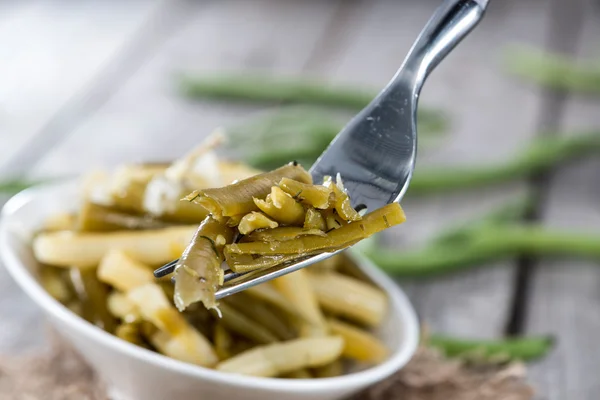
(255, 220)
(316, 196)
(349, 297)
(297, 289)
(358, 344)
(285, 357)
(281, 207)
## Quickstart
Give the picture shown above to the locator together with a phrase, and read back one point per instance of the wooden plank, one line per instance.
(492, 115)
(564, 297)
(147, 119)
(49, 50)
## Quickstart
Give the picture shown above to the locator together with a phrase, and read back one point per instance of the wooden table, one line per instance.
(89, 84)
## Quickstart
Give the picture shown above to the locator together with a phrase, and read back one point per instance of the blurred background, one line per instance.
(92, 84)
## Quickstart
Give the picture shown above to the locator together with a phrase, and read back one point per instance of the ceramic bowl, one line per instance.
(134, 373)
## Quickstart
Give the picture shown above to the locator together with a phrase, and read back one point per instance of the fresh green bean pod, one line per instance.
(518, 348)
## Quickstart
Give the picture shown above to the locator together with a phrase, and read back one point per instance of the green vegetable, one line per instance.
(447, 250)
(554, 71)
(512, 211)
(298, 133)
(488, 243)
(521, 348)
(93, 295)
(541, 154)
(262, 88)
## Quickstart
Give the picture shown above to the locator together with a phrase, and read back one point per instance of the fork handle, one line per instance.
(450, 23)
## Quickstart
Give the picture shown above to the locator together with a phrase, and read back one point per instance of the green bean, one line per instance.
(266, 293)
(512, 211)
(298, 374)
(223, 341)
(131, 332)
(238, 323)
(199, 317)
(488, 243)
(518, 348)
(56, 283)
(542, 153)
(296, 133)
(553, 71)
(262, 88)
(98, 218)
(261, 313)
(441, 253)
(93, 295)
(334, 368)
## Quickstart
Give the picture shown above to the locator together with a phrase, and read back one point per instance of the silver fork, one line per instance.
(375, 153)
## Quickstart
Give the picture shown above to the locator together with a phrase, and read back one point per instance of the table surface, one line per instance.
(89, 84)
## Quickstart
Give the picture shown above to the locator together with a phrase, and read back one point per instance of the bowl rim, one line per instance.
(17, 269)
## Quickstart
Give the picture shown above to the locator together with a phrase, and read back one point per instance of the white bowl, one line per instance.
(132, 372)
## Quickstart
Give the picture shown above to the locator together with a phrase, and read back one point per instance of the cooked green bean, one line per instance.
(297, 289)
(131, 332)
(332, 369)
(358, 343)
(98, 218)
(341, 201)
(314, 220)
(298, 374)
(316, 196)
(255, 220)
(261, 313)
(198, 273)
(200, 318)
(223, 342)
(348, 297)
(242, 325)
(56, 283)
(242, 263)
(282, 234)
(94, 295)
(375, 221)
(281, 207)
(267, 293)
(238, 198)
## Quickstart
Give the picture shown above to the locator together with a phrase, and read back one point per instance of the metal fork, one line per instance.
(375, 153)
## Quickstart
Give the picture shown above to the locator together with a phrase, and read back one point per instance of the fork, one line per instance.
(375, 153)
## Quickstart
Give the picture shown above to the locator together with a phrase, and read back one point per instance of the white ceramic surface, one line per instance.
(133, 373)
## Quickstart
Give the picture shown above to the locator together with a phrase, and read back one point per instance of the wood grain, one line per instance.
(565, 294)
(106, 95)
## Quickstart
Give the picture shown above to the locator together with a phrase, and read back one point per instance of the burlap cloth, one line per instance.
(60, 374)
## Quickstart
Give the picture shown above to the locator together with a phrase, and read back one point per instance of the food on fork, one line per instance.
(267, 220)
(98, 261)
